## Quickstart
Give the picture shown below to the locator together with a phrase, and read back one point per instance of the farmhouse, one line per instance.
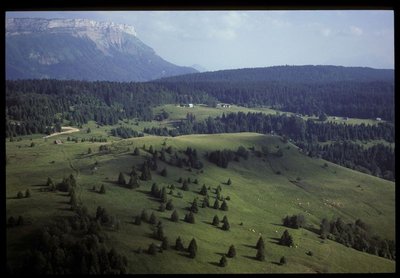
(223, 105)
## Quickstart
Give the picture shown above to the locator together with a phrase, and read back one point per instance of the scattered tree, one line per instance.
(282, 261)
(153, 219)
(192, 248)
(260, 254)
(229, 182)
(121, 179)
(224, 206)
(216, 204)
(165, 243)
(20, 195)
(231, 252)
(286, 239)
(175, 216)
(169, 205)
(223, 261)
(179, 244)
(215, 221)
(27, 193)
(152, 249)
(102, 189)
(190, 218)
(260, 243)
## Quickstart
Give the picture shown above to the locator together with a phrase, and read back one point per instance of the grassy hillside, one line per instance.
(259, 198)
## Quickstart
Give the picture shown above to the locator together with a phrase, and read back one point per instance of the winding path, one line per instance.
(67, 129)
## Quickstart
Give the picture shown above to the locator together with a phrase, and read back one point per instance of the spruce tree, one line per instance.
(161, 207)
(286, 239)
(282, 260)
(164, 172)
(121, 179)
(133, 182)
(102, 189)
(169, 205)
(260, 243)
(223, 261)
(144, 216)
(260, 254)
(192, 248)
(49, 182)
(224, 206)
(203, 190)
(216, 204)
(159, 233)
(136, 151)
(152, 249)
(138, 220)
(185, 186)
(153, 219)
(194, 208)
(175, 216)
(27, 193)
(20, 195)
(190, 218)
(215, 221)
(229, 182)
(231, 252)
(206, 202)
(165, 243)
(163, 195)
(179, 244)
(226, 225)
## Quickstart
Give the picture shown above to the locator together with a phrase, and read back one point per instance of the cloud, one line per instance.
(354, 30)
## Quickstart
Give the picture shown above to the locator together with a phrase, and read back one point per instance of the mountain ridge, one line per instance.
(81, 49)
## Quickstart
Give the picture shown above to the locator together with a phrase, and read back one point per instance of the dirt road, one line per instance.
(64, 130)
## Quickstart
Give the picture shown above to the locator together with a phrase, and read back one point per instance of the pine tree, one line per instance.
(231, 252)
(260, 254)
(226, 225)
(164, 172)
(190, 218)
(89, 151)
(286, 239)
(224, 206)
(144, 216)
(151, 149)
(152, 249)
(223, 261)
(136, 151)
(206, 202)
(20, 221)
(165, 243)
(175, 216)
(179, 244)
(49, 182)
(102, 189)
(27, 193)
(20, 195)
(215, 221)
(185, 186)
(192, 248)
(203, 190)
(159, 233)
(194, 208)
(138, 220)
(153, 219)
(282, 260)
(133, 182)
(216, 204)
(121, 179)
(229, 182)
(161, 207)
(163, 195)
(260, 243)
(169, 205)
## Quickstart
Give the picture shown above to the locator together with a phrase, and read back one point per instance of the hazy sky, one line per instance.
(240, 39)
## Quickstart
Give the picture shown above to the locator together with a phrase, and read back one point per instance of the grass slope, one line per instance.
(259, 199)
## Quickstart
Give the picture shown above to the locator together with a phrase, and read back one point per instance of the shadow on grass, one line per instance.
(220, 253)
(250, 257)
(313, 230)
(274, 240)
(65, 209)
(279, 225)
(249, 246)
(186, 255)
(207, 222)
(214, 263)
(12, 198)
(276, 263)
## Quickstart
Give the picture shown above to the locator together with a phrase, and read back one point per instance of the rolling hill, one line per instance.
(264, 189)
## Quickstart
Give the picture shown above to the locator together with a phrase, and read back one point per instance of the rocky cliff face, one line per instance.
(76, 48)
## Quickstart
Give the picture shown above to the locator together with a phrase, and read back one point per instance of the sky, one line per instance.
(218, 40)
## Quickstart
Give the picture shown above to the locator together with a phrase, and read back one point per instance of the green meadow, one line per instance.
(263, 191)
